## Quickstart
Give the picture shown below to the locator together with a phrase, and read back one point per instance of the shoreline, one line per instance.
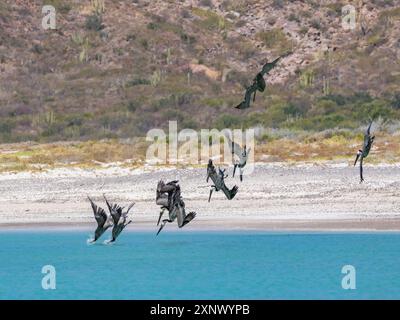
(349, 225)
(295, 197)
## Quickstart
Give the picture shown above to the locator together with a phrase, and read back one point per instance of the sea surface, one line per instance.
(199, 265)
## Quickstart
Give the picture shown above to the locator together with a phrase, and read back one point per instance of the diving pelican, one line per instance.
(119, 217)
(104, 221)
(241, 153)
(169, 197)
(363, 153)
(219, 181)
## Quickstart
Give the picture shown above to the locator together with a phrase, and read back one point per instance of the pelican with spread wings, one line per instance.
(103, 220)
(258, 83)
(363, 153)
(119, 217)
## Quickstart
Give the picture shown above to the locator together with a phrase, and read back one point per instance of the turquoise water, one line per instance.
(200, 265)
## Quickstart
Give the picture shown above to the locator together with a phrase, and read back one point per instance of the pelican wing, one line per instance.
(115, 210)
(250, 90)
(248, 151)
(116, 213)
(99, 214)
(234, 147)
(270, 65)
(368, 132)
(366, 142)
(230, 194)
(129, 208)
(247, 96)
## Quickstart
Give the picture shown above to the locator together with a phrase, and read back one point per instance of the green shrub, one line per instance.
(227, 121)
(274, 39)
(94, 22)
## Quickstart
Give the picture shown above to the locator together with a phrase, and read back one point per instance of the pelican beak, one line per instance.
(358, 156)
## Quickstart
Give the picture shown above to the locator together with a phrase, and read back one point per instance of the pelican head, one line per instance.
(359, 153)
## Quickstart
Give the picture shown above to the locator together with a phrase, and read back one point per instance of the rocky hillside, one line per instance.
(119, 69)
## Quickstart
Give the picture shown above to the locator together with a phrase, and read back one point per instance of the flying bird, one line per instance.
(119, 217)
(219, 181)
(103, 220)
(258, 83)
(241, 153)
(363, 153)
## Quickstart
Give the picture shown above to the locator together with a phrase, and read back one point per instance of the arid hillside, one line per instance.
(119, 69)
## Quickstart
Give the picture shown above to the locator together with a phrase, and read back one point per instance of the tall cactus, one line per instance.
(326, 86)
(98, 6)
(155, 78)
(307, 78)
(48, 118)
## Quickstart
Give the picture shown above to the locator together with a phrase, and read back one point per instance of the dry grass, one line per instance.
(95, 154)
(314, 148)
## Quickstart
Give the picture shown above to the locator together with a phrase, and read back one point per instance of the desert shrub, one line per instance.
(303, 30)
(153, 26)
(337, 98)
(227, 121)
(325, 107)
(188, 39)
(278, 4)
(293, 17)
(189, 124)
(206, 3)
(94, 22)
(132, 106)
(173, 114)
(209, 19)
(317, 123)
(275, 115)
(375, 109)
(316, 24)
(246, 49)
(396, 101)
(274, 39)
(37, 48)
(240, 23)
(144, 43)
(293, 110)
(6, 126)
(306, 14)
(185, 14)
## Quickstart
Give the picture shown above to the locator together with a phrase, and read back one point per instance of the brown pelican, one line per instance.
(258, 83)
(104, 221)
(169, 198)
(164, 196)
(363, 153)
(119, 217)
(247, 96)
(241, 153)
(219, 183)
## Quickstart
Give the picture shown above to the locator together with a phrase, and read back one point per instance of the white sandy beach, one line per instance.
(324, 196)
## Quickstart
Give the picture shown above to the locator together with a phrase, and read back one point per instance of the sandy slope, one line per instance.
(275, 196)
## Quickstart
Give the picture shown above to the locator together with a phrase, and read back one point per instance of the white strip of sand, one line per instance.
(324, 196)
